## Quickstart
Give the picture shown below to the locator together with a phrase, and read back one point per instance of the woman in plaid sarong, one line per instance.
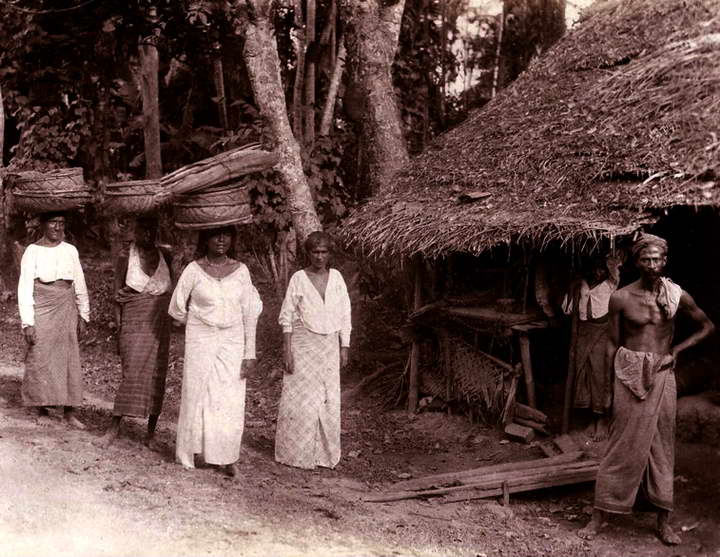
(143, 285)
(315, 317)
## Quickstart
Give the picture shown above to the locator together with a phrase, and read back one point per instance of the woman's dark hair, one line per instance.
(205, 235)
(317, 238)
(44, 217)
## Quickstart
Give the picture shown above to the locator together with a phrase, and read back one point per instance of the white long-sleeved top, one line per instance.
(303, 302)
(49, 264)
(217, 302)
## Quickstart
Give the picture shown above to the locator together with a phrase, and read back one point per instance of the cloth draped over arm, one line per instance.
(303, 303)
(49, 264)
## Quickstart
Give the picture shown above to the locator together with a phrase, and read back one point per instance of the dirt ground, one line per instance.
(65, 496)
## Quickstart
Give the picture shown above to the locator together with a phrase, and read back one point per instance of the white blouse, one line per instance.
(303, 302)
(135, 278)
(217, 302)
(49, 264)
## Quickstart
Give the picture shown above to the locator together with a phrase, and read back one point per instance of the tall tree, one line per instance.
(263, 65)
(373, 28)
(530, 28)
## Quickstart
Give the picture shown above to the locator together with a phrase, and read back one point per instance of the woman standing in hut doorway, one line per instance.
(315, 319)
(51, 294)
(142, 294)
(587, 303)
(217, 301)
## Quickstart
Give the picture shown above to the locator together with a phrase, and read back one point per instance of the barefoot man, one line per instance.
(640, 450)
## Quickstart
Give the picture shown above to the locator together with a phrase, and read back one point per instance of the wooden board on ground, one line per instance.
(566, 443)
(454, 478)
(511, 481)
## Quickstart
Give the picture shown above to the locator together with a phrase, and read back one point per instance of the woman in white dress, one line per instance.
(217, 301)
(315, 318)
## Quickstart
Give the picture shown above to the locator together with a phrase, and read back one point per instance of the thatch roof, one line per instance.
(620, 118)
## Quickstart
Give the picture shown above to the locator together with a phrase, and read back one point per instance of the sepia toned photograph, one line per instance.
(359, 278)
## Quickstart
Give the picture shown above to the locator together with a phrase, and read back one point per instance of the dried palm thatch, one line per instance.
(621, 118)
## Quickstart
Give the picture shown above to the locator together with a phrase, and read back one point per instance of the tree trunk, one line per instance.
(263, 64)
(309, 93)
(4, 286)
(328, 109)
(219, 77)
(531, 27)
(150, 100)
(372, 36)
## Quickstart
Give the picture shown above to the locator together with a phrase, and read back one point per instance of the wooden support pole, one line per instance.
(570, 381)
(524, 341)
(149, 66)
(219, 78)
(414, 372)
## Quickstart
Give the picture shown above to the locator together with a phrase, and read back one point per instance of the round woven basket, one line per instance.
(137, 196)
(60, 180)
(43, 202)
(212, 208)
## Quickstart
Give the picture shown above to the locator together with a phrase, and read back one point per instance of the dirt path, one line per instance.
(65, 496)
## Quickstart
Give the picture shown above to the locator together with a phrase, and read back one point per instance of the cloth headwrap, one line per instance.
(668, 293)
(649, 240)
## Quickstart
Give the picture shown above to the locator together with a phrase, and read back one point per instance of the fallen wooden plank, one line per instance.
(532, 424)
(566, 480)
(529, 413)
(566, 443)
(515, 478)
(447, 477)
(520, 432)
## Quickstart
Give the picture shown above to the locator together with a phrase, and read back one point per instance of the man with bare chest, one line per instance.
(640, 450)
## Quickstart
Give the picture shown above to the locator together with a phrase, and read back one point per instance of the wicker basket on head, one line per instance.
(44, 202)
(135, 197)
(213, 207)
(59, 180)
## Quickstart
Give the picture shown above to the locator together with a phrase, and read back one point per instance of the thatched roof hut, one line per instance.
(618, 121)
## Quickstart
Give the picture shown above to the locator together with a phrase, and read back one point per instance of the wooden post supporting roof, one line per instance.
(414, 377)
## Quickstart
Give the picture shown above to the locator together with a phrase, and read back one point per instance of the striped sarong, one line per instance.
(308, 425)
(592, 376)
(641, 449)
(144, 343)
(53, 376)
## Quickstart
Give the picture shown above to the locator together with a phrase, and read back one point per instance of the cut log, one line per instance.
(520, 432)
(566, 443)
(516, 481)
(542, 428)
(448, 478)
(527, 413)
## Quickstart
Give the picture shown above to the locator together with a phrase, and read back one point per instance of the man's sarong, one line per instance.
(144, 344)
(53, 376)
(308, 426)
(641, 448)
(212, 408)
(592, 378)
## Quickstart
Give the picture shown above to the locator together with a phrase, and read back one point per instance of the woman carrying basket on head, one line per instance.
(217, 301)
(51, 296)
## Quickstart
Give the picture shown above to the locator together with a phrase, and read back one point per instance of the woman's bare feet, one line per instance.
(73, 422)
(592, 529)
(233, 470)
(664, 531)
